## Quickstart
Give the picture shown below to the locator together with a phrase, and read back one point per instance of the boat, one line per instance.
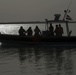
(7, 39)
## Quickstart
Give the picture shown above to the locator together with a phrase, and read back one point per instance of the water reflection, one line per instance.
(22, 54)
(37, 60)
(68, 65)
(59, 60)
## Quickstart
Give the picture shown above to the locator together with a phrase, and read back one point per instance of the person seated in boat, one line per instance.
(37, 31)
(21, 31)
(29, 32)
(56, 30)
(60, 30)
(51, 30)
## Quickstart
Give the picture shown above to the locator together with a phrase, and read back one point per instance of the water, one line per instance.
(38, 60)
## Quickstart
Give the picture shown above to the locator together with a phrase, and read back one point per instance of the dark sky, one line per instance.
(33, 10)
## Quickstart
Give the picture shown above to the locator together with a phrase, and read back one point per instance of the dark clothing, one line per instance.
(29, 32)
(57, 31)
(22, 32)
(37, 31)
(51, 29)
(60, 31)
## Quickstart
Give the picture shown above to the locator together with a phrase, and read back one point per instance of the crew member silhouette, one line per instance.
(21, 31)
(60, 30)
(29, 32)
(37, 31)
(51, 30)
(57, 30)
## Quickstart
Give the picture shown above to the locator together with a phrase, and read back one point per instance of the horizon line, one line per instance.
(38, 22)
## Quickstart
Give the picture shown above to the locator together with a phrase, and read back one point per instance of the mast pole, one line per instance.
(67, 28)
(67, 10)
(46, 24)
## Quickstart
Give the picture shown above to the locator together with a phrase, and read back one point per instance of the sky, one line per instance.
(34, 10)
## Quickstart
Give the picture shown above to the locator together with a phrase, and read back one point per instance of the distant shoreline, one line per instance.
(38, 22)
(34, 22)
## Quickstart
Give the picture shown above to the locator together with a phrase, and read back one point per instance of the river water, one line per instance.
(41, 60)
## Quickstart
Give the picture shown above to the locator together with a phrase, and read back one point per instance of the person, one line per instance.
(21, 31)
(51, 30)
(57, 30)
(37, 31)
(60, 30)
(29, 31)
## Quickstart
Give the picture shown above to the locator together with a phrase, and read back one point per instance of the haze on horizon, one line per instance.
(34, 10)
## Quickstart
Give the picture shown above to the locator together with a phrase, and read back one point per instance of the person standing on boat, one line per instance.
(60, 30)
(57, 30)
(29, 32)
(21, 31)
(37, 31)
(51, 30)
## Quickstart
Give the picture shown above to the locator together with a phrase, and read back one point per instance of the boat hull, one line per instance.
(39, 40)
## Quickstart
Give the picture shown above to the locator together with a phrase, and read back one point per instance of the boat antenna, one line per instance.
(67, 11)
(69, 5)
